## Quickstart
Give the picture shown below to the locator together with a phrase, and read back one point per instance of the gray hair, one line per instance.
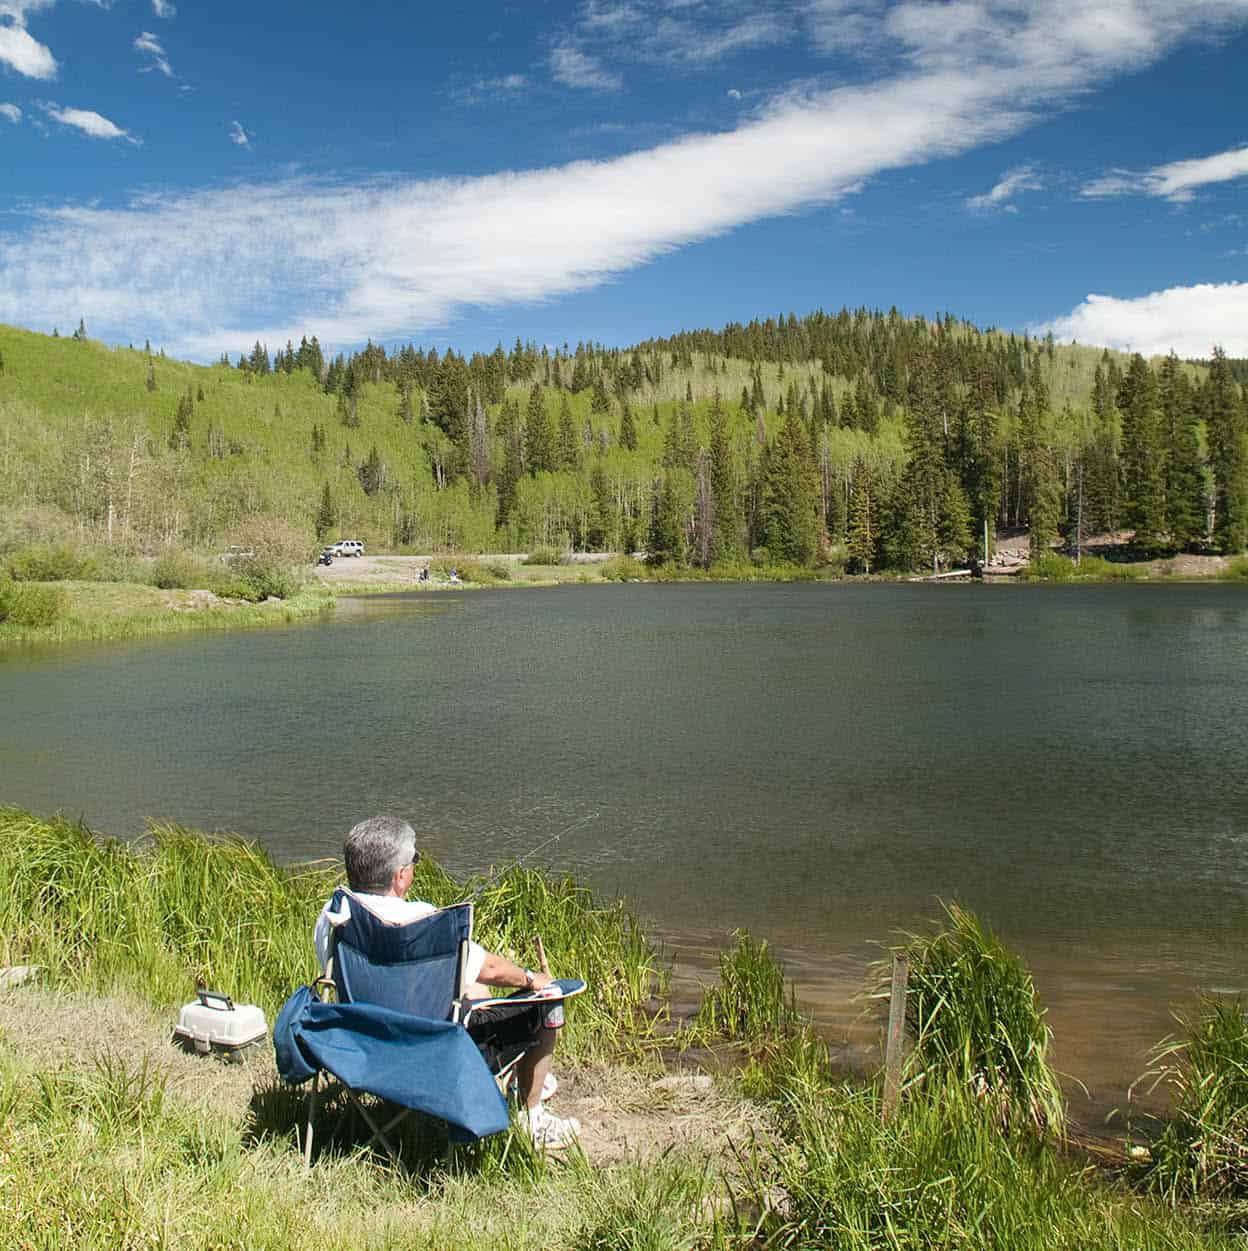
(375, 850)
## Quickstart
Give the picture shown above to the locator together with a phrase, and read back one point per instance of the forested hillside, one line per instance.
(873, 438)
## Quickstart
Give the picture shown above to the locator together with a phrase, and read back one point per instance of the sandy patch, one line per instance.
(623, 1113)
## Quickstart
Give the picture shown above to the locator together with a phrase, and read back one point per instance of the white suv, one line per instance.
(348, 547)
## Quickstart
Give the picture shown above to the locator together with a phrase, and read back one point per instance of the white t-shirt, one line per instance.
(392, 910)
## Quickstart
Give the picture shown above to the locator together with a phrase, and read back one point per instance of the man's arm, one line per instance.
(499, 971)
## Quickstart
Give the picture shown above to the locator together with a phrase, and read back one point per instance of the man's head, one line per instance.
(376, 851)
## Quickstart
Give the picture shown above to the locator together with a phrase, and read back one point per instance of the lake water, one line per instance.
(818, 763)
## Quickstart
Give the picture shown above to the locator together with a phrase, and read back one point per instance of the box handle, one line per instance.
(216, 999)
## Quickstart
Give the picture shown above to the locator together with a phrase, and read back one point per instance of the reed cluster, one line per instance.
(177, 907)
(975, 1018)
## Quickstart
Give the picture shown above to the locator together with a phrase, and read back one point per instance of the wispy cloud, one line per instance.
(574, 68)
(239, 136)
(148, 44)
(664, 33)
(1187, 320)
(11, 113)
(219, 268)
(1177, 181)
(162, 8)
(506, 86)
(1012, 184)
(21, 52)
(87, 121)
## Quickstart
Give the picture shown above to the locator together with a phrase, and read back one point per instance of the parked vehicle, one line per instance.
(348, 547)
(326, 557)
(234, 552)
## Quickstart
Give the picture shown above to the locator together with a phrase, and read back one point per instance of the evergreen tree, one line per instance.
(790, 498)
(1143, 465)
(513, 461)
(326, 514)
(151, 376)
(405, 404)
(862, 523)
(666, 543)
(599, 404)
(1184, 473)
(726, 543)
(180, 435)
(601, 512)
(539, 440)
(372, 473)
(569, 450)
(628, 429)
(1040, 485)
(1228, 455)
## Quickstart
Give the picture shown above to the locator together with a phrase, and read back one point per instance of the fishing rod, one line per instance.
(528, 855)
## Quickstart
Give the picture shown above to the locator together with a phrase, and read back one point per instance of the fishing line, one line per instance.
(528, 855)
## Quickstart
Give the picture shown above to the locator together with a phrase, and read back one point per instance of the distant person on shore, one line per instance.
(381, 858)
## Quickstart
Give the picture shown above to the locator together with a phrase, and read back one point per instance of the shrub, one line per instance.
(1236, 570)
(51, 563)
(179, 570)
(29, 605)
(1108, 570)
(544, 556)
(623, 569)
(1049, 567)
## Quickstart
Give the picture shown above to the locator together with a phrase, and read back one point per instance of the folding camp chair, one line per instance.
(400, 1029)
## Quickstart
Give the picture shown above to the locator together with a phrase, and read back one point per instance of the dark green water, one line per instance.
(817, 763)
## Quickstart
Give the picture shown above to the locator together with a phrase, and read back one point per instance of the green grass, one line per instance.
(976, 1020)
(939, 1174)
(98, 1152)
(154, 916)
(1053, 567)
(1202, 1153)
(1236, 570)
(114, 611)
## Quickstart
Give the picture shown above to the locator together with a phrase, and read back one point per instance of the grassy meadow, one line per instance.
(108, 1144)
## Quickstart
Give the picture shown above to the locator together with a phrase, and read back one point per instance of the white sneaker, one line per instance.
(547, 1130)
(550, 1083)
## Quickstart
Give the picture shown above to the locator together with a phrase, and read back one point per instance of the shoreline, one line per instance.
(103, 612)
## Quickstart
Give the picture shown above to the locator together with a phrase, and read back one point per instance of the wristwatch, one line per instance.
(528, 979)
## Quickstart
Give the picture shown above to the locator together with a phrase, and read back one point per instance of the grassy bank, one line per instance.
(113, 611)
(106, 1144)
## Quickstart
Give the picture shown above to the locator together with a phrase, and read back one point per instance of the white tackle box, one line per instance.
(215, 1023)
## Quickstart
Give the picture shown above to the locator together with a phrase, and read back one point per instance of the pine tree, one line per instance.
(372, 473)
(666, 543)
(539, 442)
(1184, 472)
(1143, 467)
(151, 376)
(726, 543)
(508, 431)
(628, 429)
(405, 404)
(1041, 488)
(790, 498)
(180, 435)
(862, 520)
(326, 514)
(569, 451)
(1228, 455)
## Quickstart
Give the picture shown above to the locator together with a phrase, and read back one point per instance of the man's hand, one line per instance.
(541, 981)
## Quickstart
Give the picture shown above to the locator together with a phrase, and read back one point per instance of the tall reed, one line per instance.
(1202, 1152)
(179, 906)
(974, 1015)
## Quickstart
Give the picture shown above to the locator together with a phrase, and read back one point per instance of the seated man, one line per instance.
(381, 857)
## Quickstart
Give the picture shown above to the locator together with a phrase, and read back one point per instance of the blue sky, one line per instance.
(617, 169)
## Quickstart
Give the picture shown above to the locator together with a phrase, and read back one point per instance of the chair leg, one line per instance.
(307, 1139)
(380, 1132)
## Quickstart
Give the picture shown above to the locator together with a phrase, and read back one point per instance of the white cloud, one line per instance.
(89, 122)
(218, 268)
(11, 112)
(239, 136)
(574, 68)
(734, 93)
(162, 8)
(149, 45)
(1176, 181)
(505, 85)
(1187, 320)
(1012, 184)
(24, 54)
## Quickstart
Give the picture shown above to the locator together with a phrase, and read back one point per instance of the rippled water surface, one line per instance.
(820, 764)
